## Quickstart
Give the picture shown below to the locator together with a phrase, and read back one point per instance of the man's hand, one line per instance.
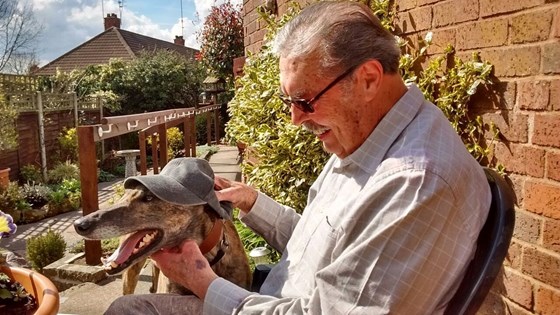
(187, 266)
(242, 196)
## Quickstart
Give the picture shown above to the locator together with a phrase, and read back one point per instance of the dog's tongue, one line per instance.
(124, 251)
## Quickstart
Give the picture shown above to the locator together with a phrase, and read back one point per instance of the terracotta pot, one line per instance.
(4, 177)
(44, 291)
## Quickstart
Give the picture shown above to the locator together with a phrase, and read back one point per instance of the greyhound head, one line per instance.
(148, 224)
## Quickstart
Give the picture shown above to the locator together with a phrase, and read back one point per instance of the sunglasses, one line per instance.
(307, 106)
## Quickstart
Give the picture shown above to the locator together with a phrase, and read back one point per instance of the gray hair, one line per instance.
(342, 33)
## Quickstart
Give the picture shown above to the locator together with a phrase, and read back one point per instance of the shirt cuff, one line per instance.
(223, 297)
(262, 210)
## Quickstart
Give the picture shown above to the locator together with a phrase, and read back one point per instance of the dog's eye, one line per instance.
(148, 197)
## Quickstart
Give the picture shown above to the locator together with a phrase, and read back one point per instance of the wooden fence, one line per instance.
(41, 119)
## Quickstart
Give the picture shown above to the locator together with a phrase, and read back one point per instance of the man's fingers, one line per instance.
(221, 183)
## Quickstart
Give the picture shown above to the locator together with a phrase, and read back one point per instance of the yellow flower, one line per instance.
(7, 225)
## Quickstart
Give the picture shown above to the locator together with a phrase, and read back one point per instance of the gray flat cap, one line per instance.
(185, 181)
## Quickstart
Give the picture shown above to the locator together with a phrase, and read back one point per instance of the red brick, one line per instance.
(557, 23)
(531, 27)
(551, 62)
(493, 304)
(521, 159)
(440, 40)
(527, 227)
(514, 255)
(533, 95)
(482, 34)
(543, 199)
(492, 7)
(547, 300)
(455, 12)
(553, 165)
(251, 28)
(518, 183)
(555, 95)
(515, 129)
(424, 2)
(514, 309)
(514, 62)
(518, 288)
(498, 95)
(551, 234)
(546, 130)
(542, 266)
(405, 5)
(415, 20)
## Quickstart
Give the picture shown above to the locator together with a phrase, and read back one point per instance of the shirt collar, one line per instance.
(370, 154)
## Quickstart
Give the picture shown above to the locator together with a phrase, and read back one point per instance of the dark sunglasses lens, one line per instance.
(304, 106)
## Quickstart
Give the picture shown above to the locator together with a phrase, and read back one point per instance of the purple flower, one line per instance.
(7, 225)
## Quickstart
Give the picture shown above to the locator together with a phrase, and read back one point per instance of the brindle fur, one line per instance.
(139, 210)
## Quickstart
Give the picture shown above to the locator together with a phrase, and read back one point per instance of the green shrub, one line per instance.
(200, 123)
(45, 249)
(261, 120)
(31, 173)
(62, 171)
(108, 246)
(104, 176)
(12, 201)
(68, 141)
(66, 196)
(36, 194)
(175, 142)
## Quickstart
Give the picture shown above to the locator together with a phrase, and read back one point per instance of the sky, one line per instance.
(67, 24)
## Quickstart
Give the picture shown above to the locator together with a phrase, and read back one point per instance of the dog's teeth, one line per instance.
(114, 264)
(141, 244)
(135, 250)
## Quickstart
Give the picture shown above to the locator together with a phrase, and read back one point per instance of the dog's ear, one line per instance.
(227, 206)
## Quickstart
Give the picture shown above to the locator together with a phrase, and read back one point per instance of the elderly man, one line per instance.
(392, 220)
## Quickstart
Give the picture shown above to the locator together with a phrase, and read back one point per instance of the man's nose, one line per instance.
(298, 116)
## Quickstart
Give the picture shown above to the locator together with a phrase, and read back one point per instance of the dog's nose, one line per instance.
(82, 225)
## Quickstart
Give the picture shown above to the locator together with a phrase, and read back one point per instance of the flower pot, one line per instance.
(36, 284)
(4, 177)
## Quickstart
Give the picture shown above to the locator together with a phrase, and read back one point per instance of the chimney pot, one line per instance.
(179, 40)
(112, 21)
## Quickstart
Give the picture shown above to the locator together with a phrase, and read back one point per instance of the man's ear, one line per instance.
(371, 73)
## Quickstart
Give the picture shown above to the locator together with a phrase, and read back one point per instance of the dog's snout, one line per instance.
(81, 225)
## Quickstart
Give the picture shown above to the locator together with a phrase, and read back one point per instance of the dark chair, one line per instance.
(492, 246)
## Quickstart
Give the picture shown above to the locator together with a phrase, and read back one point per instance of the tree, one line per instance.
(153, 81)
(18, 31)
(221, 40)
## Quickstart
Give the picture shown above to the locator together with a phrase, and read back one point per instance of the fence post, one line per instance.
(192, 131)
(88, 183)
(209, 127)
(217, 125)
(75, 101)
(100, 105)
(40, 117)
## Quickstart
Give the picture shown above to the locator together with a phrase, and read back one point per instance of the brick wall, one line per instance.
(521, 39)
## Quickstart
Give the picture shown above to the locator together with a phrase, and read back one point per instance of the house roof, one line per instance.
(112, 43)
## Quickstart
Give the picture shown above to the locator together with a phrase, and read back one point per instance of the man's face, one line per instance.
(338, 113)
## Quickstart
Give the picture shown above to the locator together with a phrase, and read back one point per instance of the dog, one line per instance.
(161, 211)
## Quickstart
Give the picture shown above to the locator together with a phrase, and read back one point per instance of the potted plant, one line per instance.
(24, 291)
(8, 135)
